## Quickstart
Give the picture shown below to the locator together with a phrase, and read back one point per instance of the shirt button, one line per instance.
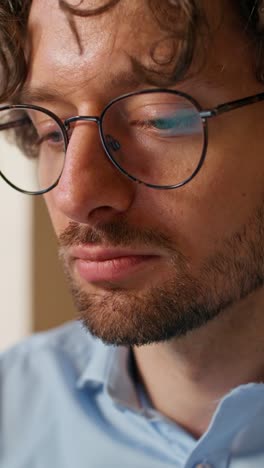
(203, 465)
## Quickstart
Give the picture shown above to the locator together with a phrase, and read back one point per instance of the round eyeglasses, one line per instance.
(154, 137)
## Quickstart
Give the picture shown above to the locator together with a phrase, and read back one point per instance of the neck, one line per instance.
(186, 378)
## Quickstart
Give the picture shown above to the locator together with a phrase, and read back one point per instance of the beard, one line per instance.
(178, 305)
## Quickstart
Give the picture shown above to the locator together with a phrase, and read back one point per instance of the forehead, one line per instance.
(108, 41)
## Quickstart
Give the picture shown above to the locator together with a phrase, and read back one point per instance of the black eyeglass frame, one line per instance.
(64, 126)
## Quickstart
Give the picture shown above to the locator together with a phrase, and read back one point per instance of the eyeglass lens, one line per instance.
(32, 149)
(157, 138)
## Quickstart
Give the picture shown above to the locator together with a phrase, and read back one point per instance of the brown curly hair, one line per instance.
(13, 31)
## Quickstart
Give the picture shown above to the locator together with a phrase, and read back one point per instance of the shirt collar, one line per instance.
(110, 368)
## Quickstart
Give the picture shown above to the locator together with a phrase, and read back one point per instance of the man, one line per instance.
(143, 122)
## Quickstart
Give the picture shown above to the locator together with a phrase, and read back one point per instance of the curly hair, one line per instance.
(13, 33)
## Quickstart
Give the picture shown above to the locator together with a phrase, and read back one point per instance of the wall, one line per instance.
(52, 302)
(16, 265)
(33, 294)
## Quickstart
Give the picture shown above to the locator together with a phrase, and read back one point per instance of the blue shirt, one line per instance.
(69, 401)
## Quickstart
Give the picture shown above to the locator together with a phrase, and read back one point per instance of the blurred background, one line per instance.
(33, 293)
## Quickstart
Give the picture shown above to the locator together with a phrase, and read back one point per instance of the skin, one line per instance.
(213, 217)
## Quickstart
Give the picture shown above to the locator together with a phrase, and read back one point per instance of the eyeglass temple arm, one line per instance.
(14, 124)
(228, 106)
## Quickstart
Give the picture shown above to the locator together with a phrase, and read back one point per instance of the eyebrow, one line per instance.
(50, 94)
(127, 80)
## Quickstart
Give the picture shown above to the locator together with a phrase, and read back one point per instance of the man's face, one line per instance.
(202, 244)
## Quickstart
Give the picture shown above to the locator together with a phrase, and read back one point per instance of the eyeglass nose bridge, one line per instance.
(76, 118)
(109, 140)
(85, 118)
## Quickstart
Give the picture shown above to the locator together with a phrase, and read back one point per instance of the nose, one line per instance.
(91, 189)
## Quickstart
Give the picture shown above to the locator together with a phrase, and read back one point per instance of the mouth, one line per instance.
(98, 265)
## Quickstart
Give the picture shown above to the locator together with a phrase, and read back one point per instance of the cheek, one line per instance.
(223, 196)
(58, 220)
(234, 167)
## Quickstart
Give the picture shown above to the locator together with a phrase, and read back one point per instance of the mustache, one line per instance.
(117, 234)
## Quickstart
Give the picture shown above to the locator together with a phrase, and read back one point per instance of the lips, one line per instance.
(97, 264)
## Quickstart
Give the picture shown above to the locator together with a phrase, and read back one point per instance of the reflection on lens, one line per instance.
(112, 144)
(32, 149)
(160, 137)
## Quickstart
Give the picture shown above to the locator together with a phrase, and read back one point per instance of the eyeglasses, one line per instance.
(155, 137)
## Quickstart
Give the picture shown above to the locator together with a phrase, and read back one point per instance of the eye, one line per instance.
(179, 123)
(54, 138)
(167, 123)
